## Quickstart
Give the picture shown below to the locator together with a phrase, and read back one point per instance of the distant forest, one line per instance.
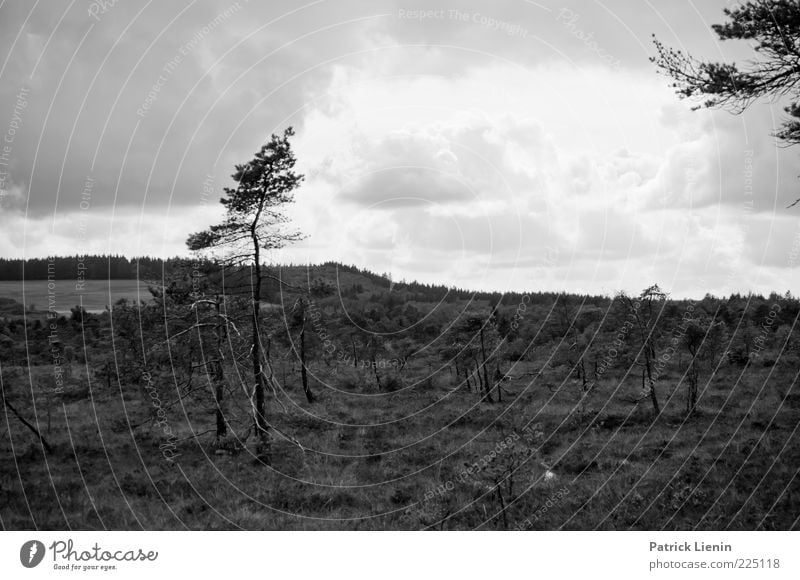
(100, 267)
(147, 268)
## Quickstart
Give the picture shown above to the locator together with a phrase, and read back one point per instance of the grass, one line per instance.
(372, 459)
(95, 295)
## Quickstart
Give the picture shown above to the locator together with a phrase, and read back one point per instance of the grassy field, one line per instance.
(402, 460)
(94, 295)
(396, 437)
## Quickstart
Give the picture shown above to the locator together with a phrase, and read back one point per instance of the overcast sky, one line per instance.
(497, 145)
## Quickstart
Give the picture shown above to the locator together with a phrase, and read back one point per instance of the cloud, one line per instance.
(720, 159)
(610, 234)
(496, 189)
(405, 169)
(464, 146)
(772, 241)
(126, 231)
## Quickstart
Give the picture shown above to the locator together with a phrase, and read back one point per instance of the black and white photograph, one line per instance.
(399, 266)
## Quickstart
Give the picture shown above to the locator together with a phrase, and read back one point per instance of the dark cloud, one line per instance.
(246, 69)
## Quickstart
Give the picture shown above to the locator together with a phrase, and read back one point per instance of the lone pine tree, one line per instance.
(254, 222)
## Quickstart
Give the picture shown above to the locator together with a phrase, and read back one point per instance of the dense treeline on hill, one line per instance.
(116, 267)
(91, 267)
(367, 312)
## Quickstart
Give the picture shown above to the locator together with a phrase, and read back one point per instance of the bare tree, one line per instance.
(645, 311)
(299, 321)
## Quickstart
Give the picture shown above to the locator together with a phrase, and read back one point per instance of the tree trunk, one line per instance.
(653, 397)
(375, 370)
(355, 354)
(498, 380)
(303, 371)
(260, 416)
(485, 374)
(219, 378)
(502, 506)
(222, 428)
(585, 382)
(35, 431)
(477, 376)
(691, 399)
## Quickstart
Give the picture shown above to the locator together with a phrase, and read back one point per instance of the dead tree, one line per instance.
(641, 310)
(22, 420)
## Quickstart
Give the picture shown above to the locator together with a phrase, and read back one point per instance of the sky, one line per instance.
(504, 145)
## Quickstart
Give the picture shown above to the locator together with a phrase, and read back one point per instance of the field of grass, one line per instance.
(429, 455)
(397, 438)
(94, 295)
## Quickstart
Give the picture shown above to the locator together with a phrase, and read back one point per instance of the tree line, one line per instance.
(92, 267)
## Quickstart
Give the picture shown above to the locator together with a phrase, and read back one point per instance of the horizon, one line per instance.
(386, 276)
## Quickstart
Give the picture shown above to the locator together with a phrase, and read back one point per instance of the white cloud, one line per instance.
(496, 189)
(442, 150)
